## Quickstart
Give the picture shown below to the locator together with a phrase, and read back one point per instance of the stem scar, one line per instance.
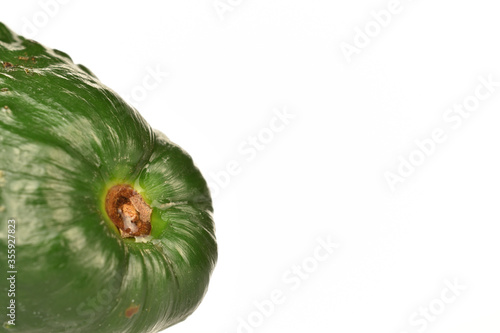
(128, 211)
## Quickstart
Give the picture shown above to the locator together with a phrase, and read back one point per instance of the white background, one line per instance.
(320, 175)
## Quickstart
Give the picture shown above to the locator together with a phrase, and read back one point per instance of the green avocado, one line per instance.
(105, 224)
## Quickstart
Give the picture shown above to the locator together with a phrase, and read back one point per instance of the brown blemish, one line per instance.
(27, 58)
(4, 89)
(128, 211)
(7, 65)
(132, 310)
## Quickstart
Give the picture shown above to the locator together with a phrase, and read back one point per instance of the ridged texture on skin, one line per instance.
(64, 140)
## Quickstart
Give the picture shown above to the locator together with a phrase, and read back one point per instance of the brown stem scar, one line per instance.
(128, 211)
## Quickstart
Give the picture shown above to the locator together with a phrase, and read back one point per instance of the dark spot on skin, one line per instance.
(132, 310)
(7, 65)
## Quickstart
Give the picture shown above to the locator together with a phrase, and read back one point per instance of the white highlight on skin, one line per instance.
(143, 239)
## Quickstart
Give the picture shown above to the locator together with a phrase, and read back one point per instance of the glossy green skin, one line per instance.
(65, 139)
